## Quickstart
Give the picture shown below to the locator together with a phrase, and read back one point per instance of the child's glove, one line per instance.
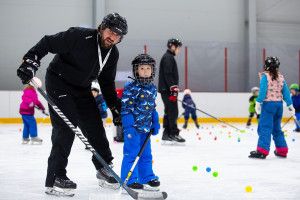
(155, 123)
(291, 109)
(258, 108)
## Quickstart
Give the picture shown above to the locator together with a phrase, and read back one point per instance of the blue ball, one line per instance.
(208, 169)
(293, 140)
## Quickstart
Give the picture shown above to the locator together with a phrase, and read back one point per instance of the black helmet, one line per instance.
(272, 62)
(175, 42)
(143, 59)
(116, 23)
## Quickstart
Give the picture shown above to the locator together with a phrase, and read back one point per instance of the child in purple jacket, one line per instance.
(29, 101)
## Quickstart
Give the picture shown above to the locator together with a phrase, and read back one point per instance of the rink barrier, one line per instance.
(109, 120)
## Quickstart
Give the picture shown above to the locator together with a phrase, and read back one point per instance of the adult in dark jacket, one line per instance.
(168, 88)
(82, 55)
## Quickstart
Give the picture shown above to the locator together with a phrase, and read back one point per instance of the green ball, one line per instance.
(215, 174)
(195, 168)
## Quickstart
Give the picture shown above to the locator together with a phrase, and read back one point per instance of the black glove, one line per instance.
(27, 69)
(116, 117)
(116, 113)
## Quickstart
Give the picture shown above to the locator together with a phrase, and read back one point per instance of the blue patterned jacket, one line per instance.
(139, 100)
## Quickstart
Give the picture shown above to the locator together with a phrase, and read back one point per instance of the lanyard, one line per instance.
(100, 57)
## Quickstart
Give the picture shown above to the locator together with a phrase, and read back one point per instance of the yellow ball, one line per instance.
(248, 189)
(157, 140)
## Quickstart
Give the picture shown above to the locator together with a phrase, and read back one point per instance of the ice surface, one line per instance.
(23, 167)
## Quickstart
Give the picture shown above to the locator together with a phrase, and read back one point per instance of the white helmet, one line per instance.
(254, 89)
(95, 86)
(187, 91)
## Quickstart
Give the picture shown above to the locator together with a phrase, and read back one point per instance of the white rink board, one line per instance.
(217, 104)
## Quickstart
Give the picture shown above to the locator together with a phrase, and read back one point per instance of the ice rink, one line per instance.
(225, 151)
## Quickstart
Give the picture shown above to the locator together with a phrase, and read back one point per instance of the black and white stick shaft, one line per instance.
(79, 134)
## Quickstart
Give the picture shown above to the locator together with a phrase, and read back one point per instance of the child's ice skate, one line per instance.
(36, 140)
(279, 155)
(257, 154)
(152, 185)
(25, 140)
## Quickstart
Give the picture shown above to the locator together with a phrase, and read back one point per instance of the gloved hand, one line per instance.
(291, 109)
(116, 113)
(116, 117)
(28, 69)
(173, 93)
(258, 108)
(155, 123)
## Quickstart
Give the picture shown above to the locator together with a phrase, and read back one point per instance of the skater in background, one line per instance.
(294, 88)
(139, 117)
(29, 102)
(252, 100)
(168, 88)
(119, 130)
(273, 89)
(102, 107)
(189, 107)
(81, 56)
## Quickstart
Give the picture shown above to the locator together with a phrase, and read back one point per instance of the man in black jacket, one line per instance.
(168, 88)
(82, 55)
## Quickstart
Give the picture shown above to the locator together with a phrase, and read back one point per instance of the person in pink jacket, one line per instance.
(29, 102)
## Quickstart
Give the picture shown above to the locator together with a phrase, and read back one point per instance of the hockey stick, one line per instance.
(44, 112)
(78, 133)
(137, 158)
(287, 122)
(242, 131)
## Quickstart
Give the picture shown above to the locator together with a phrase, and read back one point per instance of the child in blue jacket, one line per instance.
(294, 88)
(189, 107)
(273, 90)
(139, 116)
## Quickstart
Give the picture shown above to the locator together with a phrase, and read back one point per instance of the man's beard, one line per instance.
(107, 44)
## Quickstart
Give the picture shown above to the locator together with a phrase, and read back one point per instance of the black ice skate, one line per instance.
(185, 124)
(62, 187)
(166, 139)
(118, 139)
(278, 155)
(177, 138)
(152, 185)
(106, 180)
(257, 154)
(135, 187)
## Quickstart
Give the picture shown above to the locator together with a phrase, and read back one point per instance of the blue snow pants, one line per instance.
(143, 172)
(30, 127)
(298, 119)
(270, 124)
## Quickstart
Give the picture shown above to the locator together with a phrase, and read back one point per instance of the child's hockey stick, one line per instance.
(242, 131)
(137, 158)
(78, 133)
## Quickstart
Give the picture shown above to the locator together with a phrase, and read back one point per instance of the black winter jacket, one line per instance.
(168, 72)
(76, 60)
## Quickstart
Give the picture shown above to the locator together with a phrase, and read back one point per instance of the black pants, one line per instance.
(170, 115)
(79, 106)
